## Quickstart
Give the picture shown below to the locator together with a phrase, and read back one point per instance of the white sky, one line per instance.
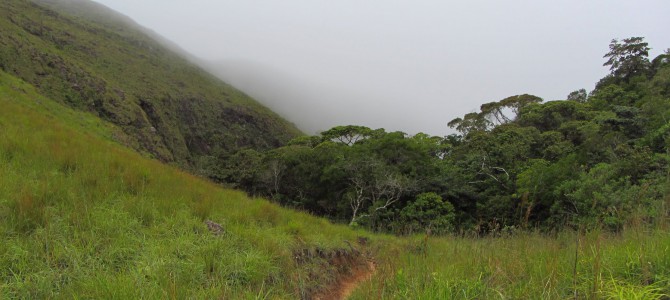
(399, 64)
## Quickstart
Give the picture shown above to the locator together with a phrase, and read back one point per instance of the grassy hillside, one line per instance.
(82, 217)
(93, 59)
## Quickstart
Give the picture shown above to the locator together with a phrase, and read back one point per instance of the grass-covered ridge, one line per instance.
(82, 217)
(92, 59)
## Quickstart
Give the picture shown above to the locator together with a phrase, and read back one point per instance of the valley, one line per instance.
(128, 172)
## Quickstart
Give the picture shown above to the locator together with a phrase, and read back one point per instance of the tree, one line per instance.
(241, 168)
(493, 114)
(578, 96)
(360, 176)
(553, 114)
(349, 134)
(517, 102)
(628, 58)
(495, 111)
(660, 61)
(373, 185)
(470, 122)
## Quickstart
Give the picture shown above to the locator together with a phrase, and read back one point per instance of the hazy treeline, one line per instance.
(598, 158)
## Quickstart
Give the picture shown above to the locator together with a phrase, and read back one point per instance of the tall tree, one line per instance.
(628, 58)
(348, 135)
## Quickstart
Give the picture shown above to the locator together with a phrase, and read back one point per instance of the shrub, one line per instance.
(428, 212)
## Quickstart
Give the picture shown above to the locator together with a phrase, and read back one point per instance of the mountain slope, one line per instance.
(95, 60)
(82, 217)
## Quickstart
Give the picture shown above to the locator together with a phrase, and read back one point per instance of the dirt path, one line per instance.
(346, 285)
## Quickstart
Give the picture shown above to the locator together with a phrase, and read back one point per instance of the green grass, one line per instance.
(632, 265)
(82, 217)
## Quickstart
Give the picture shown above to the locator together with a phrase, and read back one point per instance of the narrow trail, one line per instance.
(347, 284)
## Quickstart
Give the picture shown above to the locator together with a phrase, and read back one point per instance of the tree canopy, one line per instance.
(594, 159)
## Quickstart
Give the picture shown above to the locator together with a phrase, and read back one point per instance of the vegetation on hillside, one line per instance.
(92, 59)
(83, 217)
(572, 196)
(598, 159)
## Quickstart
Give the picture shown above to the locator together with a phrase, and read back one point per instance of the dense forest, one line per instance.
(595, 159)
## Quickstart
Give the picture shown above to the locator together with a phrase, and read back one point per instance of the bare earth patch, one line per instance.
(346, 284)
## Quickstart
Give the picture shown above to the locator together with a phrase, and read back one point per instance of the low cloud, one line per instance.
(402, 65)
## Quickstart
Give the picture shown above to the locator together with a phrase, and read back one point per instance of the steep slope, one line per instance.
(92, 59)
(82, 217)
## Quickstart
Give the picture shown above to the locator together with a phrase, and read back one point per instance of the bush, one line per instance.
(428, 212)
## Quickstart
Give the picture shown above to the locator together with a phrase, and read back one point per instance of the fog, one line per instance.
(401, 65)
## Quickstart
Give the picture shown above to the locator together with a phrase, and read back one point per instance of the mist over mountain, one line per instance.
(93, 59)
(409, 66)
(312, 104)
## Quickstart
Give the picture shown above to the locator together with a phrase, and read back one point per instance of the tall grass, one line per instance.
(634, 264)
(81, 217)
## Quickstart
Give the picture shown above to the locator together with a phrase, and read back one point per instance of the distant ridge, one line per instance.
(91, 58)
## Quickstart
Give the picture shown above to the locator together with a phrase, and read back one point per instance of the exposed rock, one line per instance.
(214, 227)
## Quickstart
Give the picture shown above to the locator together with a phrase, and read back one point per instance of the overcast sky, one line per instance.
(399, 64)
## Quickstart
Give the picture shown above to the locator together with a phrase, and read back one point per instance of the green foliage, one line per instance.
(628, 58)
(595, 160)
(428, 213)
(493, 113)
(355, 173)
(470, 122)
(578, 95)
(347, 135)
